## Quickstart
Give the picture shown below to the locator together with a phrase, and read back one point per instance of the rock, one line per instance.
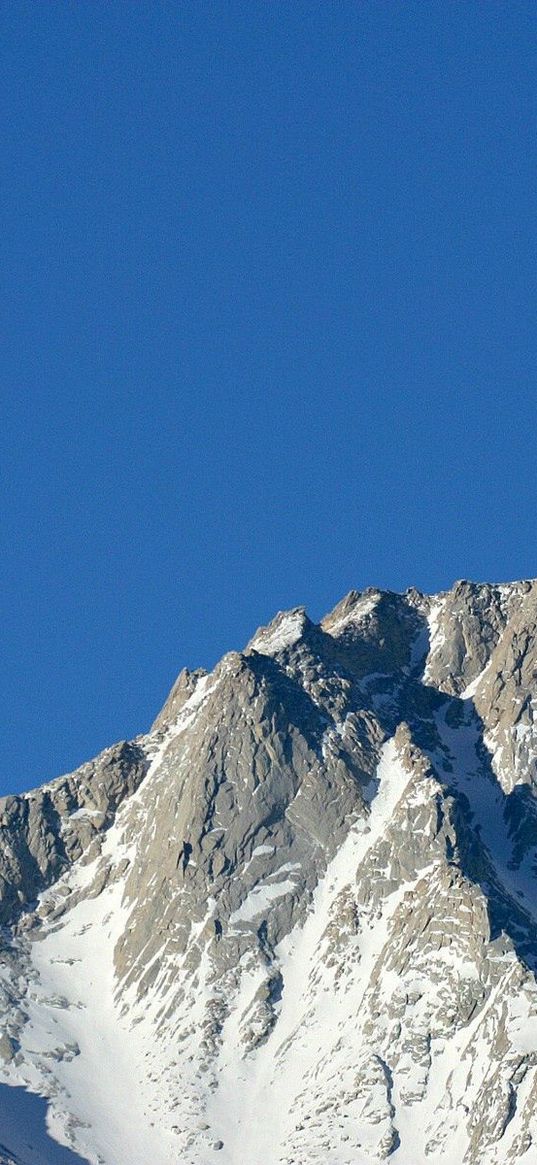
(8, 1048)
(315, 881)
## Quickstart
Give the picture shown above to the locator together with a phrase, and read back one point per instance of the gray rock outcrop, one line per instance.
(304, 904)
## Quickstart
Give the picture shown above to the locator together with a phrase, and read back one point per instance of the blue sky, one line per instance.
(269, 295)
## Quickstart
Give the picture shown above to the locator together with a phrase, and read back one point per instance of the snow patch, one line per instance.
(259, 900)
(284, 631)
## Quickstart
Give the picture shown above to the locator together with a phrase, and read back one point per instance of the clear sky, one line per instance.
(269, 331)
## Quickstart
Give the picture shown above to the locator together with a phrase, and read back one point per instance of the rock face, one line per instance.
(297, 921)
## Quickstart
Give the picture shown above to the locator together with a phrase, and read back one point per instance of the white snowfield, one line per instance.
(374, 1003)
(111, 1094)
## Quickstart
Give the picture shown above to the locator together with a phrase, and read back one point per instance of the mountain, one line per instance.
(296, 922)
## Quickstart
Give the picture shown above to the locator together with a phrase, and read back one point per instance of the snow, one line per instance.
(204, 688)
(487, 802)
(284, 631)
(354, 617)
(258, 1104)
(23, 1129)
(259, 900)
(138, 1095)
(472, 688)
(119, 1083)
(75, 1038)
(523, 1025)
(436, 636)
(251, 1108)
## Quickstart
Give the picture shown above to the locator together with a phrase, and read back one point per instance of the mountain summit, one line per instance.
(296, 922)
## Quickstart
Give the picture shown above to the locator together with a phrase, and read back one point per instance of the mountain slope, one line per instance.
(297, 921)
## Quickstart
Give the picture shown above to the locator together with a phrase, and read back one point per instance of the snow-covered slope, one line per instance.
(297, 921)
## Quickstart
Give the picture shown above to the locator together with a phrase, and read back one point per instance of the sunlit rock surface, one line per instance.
(297, 921)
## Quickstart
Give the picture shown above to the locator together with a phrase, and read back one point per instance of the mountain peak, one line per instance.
(284, 631)
(299, 914)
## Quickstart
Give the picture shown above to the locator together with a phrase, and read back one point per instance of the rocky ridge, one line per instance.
(296, 921)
